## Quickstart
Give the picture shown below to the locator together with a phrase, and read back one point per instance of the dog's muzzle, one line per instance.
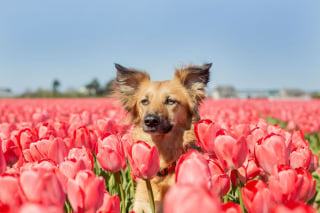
(153, 123)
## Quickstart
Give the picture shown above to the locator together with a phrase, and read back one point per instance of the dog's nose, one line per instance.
(151, 120)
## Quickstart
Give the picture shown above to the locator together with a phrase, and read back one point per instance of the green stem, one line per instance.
(123, 203)
(240, 199)
(150, 193)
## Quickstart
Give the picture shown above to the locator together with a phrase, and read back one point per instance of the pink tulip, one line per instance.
(86, 192)
(249, 170)
(42, 186)
(61, 129)
(300, 157)
(192, 168)
(39, 208)
(293, 208)
(220, 181)
(110, 154)
(231, 152)
(189, 199)
(144, 160)
(271, 151)
(11, 151)
(84, 154)
(52, 148)
(285, 184)
(206, 132)
(26, 137)
(255, 135)
(105, 127)
(308, 187)
(83, 136)
(231, 207)
(111, 204)
(257, 197)
(45, 131)
(68, 169)
(10, 193)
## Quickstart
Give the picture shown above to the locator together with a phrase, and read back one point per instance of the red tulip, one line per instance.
(86, 192)
(42, 186)
(231, 152)
(26, 137)
(11, 151)
(257, 197)
(189, 199)
(111, 204)
(231, 207)
(285, 184)
(144, 160)
(110, 154)
(271, 151)
(206, 132)
(3, 165)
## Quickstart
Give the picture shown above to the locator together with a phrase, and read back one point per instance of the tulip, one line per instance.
(285, 184)
(231, 152)
(11, 151)
(206, 132)
(42, 186)
(271, 151)
(192, 168)
(144, 160)
(308, 187)
(257, 197)
(39, 208)
(220, 181)
(10, 193)
(105, 127)
(82, 153)
(110, 154)
(300, 157)
(83, 136)
(248, 170)
(61, 129)
(26, 137)
(86, 192)
(45, 131)
(52, 148)
(111, 204)
(293, 208)
(255, 135)
(188, 198)
(314, 163)
(231, 207)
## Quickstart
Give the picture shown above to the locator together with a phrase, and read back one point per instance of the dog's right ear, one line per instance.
(127, 83)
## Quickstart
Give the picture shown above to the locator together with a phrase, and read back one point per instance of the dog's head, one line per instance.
(159, 107)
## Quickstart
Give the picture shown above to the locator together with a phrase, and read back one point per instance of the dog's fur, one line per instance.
(172, 109)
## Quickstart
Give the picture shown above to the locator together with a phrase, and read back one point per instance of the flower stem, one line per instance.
(240, 199)
(150, 193)
(123, 203)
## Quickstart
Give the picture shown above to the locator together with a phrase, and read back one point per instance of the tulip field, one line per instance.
(77, 155)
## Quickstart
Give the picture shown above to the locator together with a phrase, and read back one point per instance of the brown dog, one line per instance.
(163, 114)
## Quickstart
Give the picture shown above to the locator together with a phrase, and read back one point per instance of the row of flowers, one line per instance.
(76, 155)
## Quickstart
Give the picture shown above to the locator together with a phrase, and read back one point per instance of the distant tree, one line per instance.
(108, 88)
(55, 85)
(93, 87)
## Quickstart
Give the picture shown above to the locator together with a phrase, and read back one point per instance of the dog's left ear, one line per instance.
(195, 79)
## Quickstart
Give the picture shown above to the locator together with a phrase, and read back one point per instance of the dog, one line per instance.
(163, 114)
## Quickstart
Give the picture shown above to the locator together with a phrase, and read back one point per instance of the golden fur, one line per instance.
(175, 104)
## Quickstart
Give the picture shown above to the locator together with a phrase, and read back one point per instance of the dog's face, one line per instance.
(160, 107)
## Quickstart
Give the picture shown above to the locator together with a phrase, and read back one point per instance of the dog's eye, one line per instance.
(170, 101)
(145, 102)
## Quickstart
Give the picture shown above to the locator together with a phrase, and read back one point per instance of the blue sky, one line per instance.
(253, 44)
